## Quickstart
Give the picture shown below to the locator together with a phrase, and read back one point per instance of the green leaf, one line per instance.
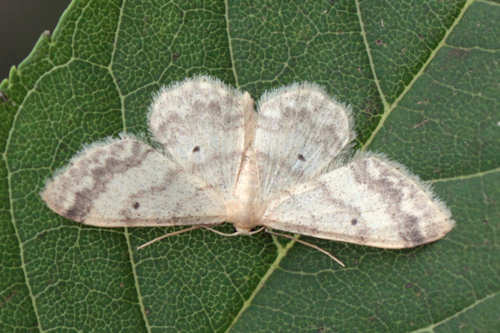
(422, 78)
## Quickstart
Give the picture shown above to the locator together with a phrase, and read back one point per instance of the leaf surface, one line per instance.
(422, 79)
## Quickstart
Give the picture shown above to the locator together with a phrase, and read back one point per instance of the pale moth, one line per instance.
(219, 161)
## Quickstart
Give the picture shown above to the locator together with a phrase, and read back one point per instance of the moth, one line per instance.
(218, 160)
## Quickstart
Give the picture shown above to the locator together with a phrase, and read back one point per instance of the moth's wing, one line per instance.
(300, 130)
(205, 126)
(126, 182)
(370, 201)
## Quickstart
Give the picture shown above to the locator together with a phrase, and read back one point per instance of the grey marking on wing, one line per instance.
(102, 175)
(384, 184)
(337, 203)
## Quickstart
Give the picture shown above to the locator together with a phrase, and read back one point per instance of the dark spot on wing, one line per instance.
(196, 149)
(301, 157)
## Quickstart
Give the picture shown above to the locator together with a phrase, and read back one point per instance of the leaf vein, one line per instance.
(230, 44)
(282, 252)
(388, 110)
(431, 328)
(464, 177)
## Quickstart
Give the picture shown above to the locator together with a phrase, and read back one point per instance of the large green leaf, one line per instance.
(422, 77)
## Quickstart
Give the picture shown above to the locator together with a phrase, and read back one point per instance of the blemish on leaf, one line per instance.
(3, 97)
(422, 123)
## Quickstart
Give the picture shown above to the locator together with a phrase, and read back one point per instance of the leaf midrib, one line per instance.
(388, 108)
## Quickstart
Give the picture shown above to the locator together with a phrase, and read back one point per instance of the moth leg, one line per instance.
(178, 232)
(237, 233)
(307, 244)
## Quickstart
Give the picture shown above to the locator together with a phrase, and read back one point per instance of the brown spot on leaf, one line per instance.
(3, 97)
(422, 123)
(8, 298)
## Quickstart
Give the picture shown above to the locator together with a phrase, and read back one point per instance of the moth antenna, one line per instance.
(237, 233)
(307, 244)
(178, 232)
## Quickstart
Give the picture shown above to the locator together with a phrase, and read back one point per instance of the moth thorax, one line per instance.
(244, 211)
(243, 217)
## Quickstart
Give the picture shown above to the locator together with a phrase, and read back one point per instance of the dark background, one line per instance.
(21, 24)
